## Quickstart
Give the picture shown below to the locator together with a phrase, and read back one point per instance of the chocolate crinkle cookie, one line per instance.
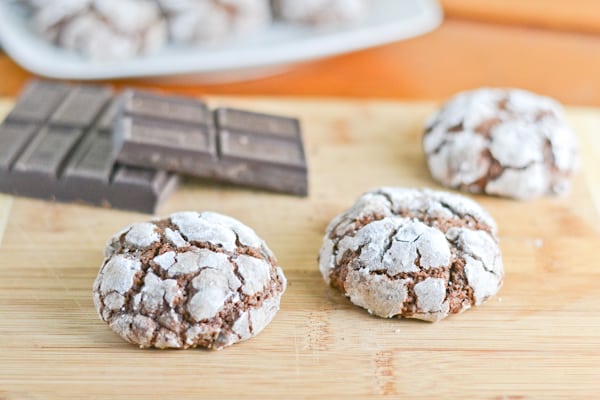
(322, 12)
(413, 253)
(102, 29)
(192, 279)
(213, 21)
(504, 142)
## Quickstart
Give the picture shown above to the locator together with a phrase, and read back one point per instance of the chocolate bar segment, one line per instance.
(38, 101)
(271, 150)
(245, 121)
(195, 138)
(48, 151)
(82, 105)
(90, 169)
(13, 138)
(132, 186)
(166, 108)
(68, 156)
(90, 161)
(107, 119)
(178, 136)
(235, 146)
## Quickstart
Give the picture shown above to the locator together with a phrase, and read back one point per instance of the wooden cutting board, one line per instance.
(539, 338)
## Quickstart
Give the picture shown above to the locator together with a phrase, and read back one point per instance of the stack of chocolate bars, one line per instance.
(84, 144)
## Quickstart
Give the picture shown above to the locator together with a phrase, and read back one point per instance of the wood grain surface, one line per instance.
(539, 338)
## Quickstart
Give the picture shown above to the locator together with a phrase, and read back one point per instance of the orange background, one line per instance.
(548, 46)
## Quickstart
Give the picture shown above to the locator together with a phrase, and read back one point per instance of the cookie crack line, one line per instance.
(389, 242)
(387, 197)
(451, 209)
(478, 258)
(439, 147)
(410, 275)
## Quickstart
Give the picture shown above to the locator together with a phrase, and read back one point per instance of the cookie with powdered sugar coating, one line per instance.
(413, 253)
(102, 29)
(188, 280)
(504, 142)
(214, 21)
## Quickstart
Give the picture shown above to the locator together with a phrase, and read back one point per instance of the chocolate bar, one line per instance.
(182, 135)
(57, 144)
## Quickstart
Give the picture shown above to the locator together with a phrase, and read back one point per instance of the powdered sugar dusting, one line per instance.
(430, 294)
(379, 294)
(506, 142)
(194, 227)
(118, 274)
(175, 238)
(255, 273)
(142, 235)
(212, 292)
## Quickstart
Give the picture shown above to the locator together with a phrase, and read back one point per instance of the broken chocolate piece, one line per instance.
(56, 144)
(236, 146)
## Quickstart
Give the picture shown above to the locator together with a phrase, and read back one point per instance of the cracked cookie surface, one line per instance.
(214, 21)
(192, 279)
(101, 29)
(322, 12)
(413, 253)
(504, 142)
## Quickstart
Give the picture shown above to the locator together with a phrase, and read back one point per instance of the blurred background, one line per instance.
(548, 46)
